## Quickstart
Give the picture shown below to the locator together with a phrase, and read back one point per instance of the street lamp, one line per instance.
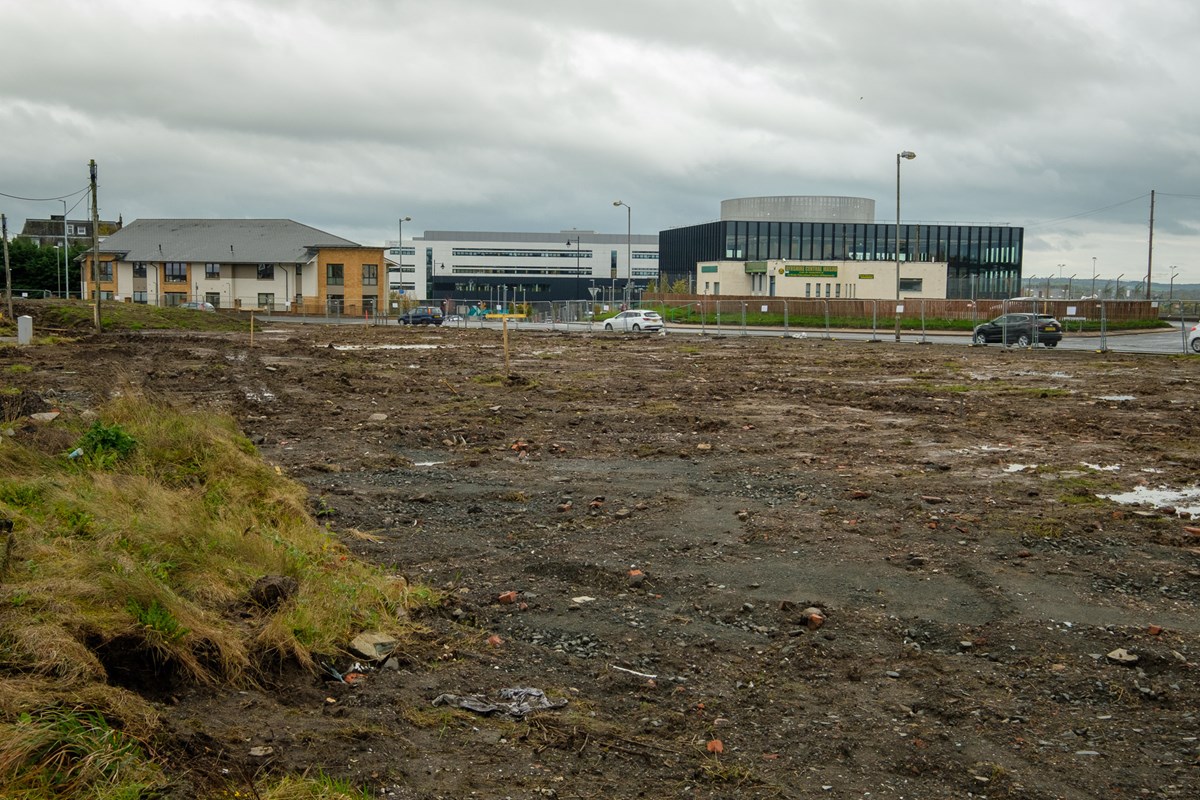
(66, 253)
(1093, 277)
(1070, 283)
(1117, 294)
(909, 155)
(628, 247)
(1171, 289)
(56, 272)
(400, 254)
(576, 263)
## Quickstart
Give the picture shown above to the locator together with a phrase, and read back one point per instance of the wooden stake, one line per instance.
(507, 370)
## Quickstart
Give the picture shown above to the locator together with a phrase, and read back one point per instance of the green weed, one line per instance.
(157, 619)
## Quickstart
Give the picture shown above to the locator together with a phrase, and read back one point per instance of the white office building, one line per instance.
(465, 267)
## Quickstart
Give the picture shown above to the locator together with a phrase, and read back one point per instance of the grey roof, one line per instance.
(222, 241)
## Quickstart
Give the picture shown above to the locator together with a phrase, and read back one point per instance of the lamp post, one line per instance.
(1171, 286)
(1070, 283)
(1093, 277)
(66, 253)
(1117, 293)
(56, 272)
(909, 155)
(628, 247)
(576, 263)
(400, 255)
(1060, 273)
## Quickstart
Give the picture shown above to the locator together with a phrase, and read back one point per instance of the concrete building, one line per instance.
(829, 247)
(270, 264)
(465, 267)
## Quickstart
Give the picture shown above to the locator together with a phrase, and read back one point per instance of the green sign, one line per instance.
(708, 267)
(810, 271)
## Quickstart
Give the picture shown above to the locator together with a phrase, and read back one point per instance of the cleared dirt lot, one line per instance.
(670, 507)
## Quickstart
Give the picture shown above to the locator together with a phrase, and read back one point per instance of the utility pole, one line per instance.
(1150, 253)
(7, 267)
(95, 244)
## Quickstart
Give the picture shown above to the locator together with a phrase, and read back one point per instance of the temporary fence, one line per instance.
(828, 318)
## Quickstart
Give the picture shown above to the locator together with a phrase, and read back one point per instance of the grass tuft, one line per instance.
(68, 753)
(142, 550)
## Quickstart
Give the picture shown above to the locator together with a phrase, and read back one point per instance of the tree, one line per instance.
(38, 268)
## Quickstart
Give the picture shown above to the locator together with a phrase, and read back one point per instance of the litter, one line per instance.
(514, 702)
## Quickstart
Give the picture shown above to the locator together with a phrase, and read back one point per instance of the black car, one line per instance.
(1019, 329)
(422, 315)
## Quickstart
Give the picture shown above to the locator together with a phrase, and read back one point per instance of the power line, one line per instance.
(1086, 213)
(44, 199)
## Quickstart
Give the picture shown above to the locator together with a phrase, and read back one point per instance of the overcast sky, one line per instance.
(527, 115)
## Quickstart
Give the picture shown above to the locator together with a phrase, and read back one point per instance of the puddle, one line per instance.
(1019, 467)
(1117, 398)
(1098, 468)
(386, 346)
(1186, 502)
(427, 463)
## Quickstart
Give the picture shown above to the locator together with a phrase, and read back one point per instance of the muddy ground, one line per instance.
(670, 506)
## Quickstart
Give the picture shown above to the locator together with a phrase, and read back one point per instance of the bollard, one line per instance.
(25, 330)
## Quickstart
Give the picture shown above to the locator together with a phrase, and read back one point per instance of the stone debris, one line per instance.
(375, 646)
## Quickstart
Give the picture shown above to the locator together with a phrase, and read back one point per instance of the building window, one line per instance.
(212, 271)
(175, 272)
(214, 298)
(266, 272)
(370, 274)
(266, 300)
(140, 297)
(106, 270)
(335, 274)
(335, 303)
(172, 299)
(808, 290)
(139, 269)
(911, 284)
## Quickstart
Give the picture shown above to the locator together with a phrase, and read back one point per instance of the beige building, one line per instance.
(833, 280)
(269, 264)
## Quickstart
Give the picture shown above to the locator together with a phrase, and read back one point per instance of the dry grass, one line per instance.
(136, 556)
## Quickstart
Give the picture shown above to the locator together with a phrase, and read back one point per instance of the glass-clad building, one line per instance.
(981, 260)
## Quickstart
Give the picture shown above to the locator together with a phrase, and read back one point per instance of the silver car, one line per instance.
(634, 320)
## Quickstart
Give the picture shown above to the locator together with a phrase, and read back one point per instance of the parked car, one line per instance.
(422, 315)
(634, 320)
(1019, 329)
(198, 305)
(1194, 338)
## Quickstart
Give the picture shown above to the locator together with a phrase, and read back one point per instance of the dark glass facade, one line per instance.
(982, 260)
